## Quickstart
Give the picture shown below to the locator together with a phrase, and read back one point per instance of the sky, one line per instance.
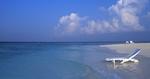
(74, 20)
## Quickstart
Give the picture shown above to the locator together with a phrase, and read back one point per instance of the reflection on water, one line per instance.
(46, 61)
(128, 65)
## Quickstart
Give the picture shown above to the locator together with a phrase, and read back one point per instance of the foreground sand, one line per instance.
(129, 48)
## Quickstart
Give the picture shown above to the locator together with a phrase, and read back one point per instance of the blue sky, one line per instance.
(74, 20)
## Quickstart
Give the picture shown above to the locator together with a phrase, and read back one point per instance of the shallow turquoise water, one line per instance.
(64, 61)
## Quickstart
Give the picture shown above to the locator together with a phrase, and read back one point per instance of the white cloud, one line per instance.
(124, 18)
(101, 26)
(70, 23)
(127, 12)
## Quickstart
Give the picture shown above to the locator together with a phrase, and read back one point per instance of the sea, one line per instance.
(66, 61)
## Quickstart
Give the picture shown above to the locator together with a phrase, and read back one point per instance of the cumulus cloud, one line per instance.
(127, 12)
(69, 24)
(94, 26)
(124, 18)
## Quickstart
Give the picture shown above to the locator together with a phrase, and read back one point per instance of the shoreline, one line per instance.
(129, 48)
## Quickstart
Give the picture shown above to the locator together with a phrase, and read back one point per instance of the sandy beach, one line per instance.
(129, 48)
(132, 70)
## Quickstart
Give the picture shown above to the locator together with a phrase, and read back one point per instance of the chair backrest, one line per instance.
(137, 51)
